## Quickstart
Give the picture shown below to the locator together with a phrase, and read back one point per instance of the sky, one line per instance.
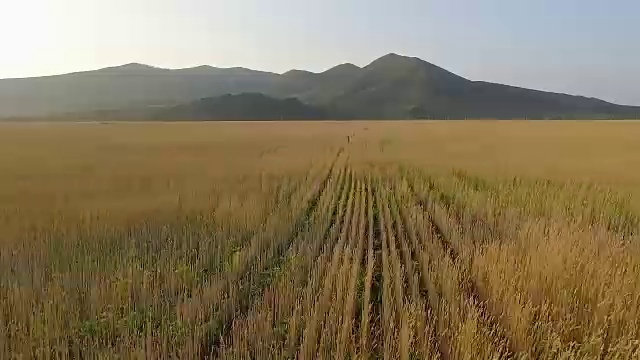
(583, 47)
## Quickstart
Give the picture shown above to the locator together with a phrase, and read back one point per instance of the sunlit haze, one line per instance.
(583, 47)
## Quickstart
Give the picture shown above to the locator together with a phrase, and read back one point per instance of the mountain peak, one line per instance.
(198, 70)
(200, 67)
(395, 56)
(134, 66)
(398, 64)
(393, 59)
(297, 73)
(137, 65)
(342, 69)
(130, 68)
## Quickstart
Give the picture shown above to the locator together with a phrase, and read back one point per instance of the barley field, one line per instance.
(320, 240)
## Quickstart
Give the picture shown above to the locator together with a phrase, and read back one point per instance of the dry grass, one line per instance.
(457, 240)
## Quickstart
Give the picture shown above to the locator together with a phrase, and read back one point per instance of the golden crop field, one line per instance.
(320, 240)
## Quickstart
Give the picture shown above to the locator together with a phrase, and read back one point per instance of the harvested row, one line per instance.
(370, 301)
(395, 317)
(347, 342)
(332, 340)
(213, 308)
(424, 340)
(303, 305)
(263, 333)
(315, 307)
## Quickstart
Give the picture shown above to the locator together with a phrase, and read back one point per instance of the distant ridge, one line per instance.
(249, 106)
(391, 87)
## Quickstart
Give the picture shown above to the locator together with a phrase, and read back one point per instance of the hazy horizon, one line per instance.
(585, 48)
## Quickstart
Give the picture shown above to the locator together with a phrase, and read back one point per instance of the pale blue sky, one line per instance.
(586, 47)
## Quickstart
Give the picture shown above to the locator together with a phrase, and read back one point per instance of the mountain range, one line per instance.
(391, 87)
